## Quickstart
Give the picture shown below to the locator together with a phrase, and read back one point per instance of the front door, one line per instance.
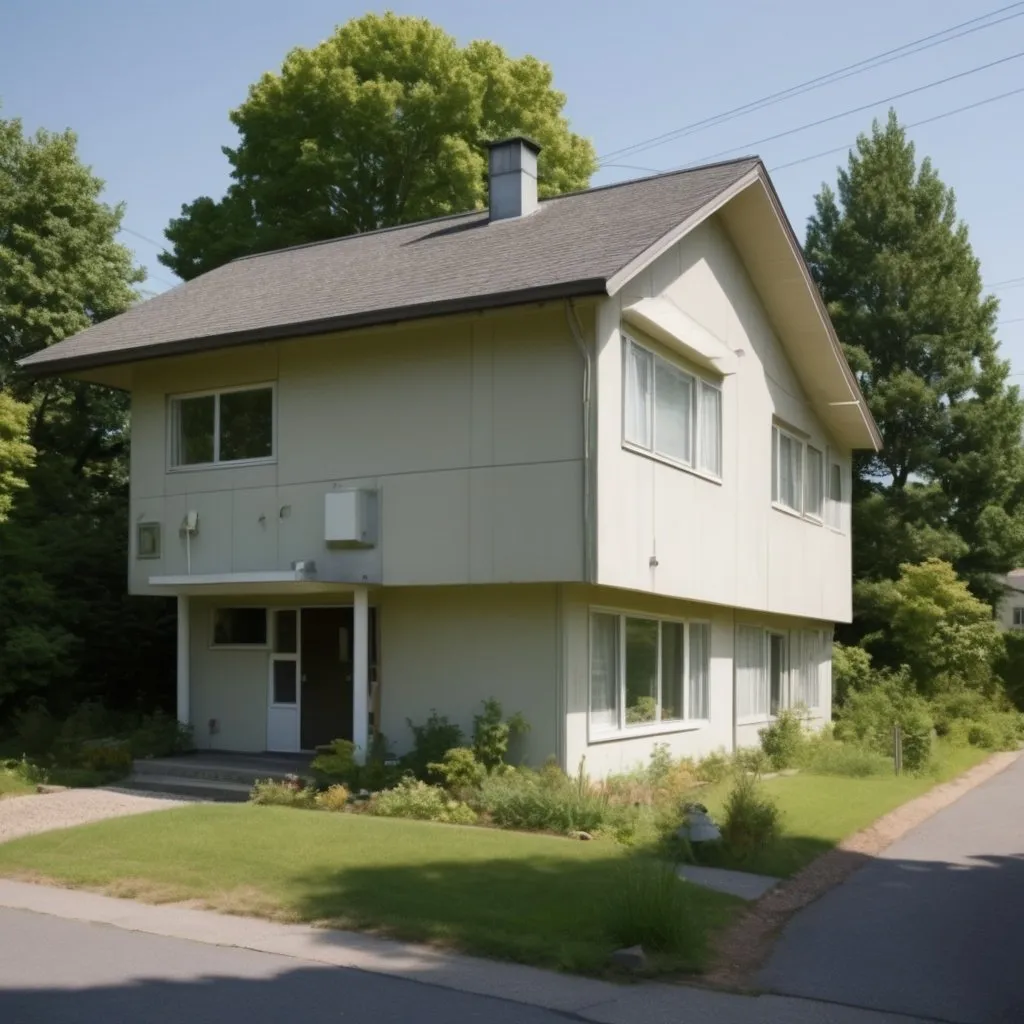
(283, 695)
(326, 646)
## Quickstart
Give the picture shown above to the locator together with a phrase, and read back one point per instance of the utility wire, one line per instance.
(856, 110)
(128, 231)
(867, 64)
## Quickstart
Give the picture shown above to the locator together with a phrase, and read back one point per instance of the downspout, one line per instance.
(576, 330)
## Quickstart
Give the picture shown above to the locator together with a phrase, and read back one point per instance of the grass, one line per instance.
(530, 898)
(820, 810)
(13, 785)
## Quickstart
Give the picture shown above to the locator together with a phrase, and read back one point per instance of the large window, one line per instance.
(835, 495)
(239, 627)
(779, 669)
(644, 671)
(223, 426)
(798, 475)
(669, 412)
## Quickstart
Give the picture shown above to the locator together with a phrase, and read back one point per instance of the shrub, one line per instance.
(160, 735)
(851, 670)
(970, 717)
(492, 735)
(412, 798)
(713, 767)
(274, 793)
(35, 730)
(334, 798)
(830, 757)
(751, 819)
(652, 907)
(430, 743)
(461, 771)
(753, 760)
(783, 740)
(337, 762)
(107, 755)
(26, 770)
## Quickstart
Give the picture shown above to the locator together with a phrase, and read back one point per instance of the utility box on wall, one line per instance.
(350, 519)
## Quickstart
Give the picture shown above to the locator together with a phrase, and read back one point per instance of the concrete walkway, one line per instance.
(934, 927)
(293, 946)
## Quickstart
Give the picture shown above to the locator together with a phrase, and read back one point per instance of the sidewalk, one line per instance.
(582, 998)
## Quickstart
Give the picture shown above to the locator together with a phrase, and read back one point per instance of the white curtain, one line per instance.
(673, 413)
(790, 471)
(815, 488)
(751, 674)
(710, 457)
(639, 385)
(604, 671)
(700, 664)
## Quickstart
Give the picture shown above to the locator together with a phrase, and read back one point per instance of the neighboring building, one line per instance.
(1010, 610)
(590, 457)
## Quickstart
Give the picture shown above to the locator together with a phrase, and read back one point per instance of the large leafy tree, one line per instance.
(895, 266)
(16, 454)
(381, 124)
(67, 628)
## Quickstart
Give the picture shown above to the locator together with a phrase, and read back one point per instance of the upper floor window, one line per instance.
(669, 412)
(232, 425)
(798, 475)
(835, 495)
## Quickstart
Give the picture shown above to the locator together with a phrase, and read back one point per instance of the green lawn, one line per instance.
(12, 785)
(820, 810)
(533, 898)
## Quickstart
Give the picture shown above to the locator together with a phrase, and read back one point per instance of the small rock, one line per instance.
(580, 835)
(633, 958)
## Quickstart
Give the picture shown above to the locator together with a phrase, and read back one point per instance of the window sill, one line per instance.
(803, 517)
(233, 464)
(239, 647)
(650, 729)
(701, 474)
(771, 719)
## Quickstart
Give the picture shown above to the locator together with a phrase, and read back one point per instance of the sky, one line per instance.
(148, 86)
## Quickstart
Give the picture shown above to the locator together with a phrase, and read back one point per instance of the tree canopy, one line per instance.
(895, 266)
(383, 123)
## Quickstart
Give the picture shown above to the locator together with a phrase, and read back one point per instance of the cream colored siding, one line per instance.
(664, 530)
(469, 429)
(448, 649)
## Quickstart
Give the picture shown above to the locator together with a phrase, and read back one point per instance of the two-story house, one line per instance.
(589, 456)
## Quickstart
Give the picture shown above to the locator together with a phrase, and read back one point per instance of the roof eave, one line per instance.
(39, 366)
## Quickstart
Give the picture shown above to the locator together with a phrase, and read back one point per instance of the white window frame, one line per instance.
(600, 734)
(802, 443)
(1018, 618)
(697, 382)
(214, 646)
(217, 462)
(802, 647)
(152, 528)
(808, 448)
(276, 656)
(834, 514)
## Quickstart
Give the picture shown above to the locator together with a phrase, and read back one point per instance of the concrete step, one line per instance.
(213, 771)
(207, 789)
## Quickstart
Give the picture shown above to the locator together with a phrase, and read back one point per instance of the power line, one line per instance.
(1010, 282)
(867, 64)
(913, 124)
(857, 110)
(159, 245)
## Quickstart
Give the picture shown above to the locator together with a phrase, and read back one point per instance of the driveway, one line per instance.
(932, 928)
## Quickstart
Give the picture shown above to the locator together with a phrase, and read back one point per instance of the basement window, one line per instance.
(147, 540)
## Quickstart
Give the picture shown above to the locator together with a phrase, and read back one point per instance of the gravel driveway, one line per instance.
(25, 815)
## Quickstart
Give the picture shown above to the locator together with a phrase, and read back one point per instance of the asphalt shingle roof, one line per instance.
(571, 245)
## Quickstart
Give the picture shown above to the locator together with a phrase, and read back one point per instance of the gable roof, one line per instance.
(570, 246)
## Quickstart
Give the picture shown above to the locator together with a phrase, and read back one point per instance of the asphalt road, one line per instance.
(54, 971)
(933, 928)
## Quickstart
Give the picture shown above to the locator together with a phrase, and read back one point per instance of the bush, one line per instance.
(35, 731)
(652, 907)
(492, 735)
(462, 773)
(830, 757)
(412, 798)
(713, 767)
(160, 735)
(851, 670)
(334, 798)
(751, 819)
(337, 763)
(107, 755)
(25, 770)
(783, 740)
(431, 741)
(753, 760)
(275, 793)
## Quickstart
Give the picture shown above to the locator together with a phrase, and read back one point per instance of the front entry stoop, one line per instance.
(216, 776)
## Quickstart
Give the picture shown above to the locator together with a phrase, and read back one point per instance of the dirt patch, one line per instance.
(741, 948)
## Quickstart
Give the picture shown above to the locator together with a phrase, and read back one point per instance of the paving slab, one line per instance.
(736, 883)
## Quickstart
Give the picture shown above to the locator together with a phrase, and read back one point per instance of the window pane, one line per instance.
(835, 495)
(751, 676)
(193, 430)
(286, 684)
(147, 540)
(1018, 616)
(246, 424)
(286, 628)
(641, 671)
(604, 671)
(776, 671)
(700, 668)
(638, 387)
(710, 457)
(775, 463)
(240, 626)
(672, 662)
(673, 413)
(790, 471)
(813, 494)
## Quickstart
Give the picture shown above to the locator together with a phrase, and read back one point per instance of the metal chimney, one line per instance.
(512, 177)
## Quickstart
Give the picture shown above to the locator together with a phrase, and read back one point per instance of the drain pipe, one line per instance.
(577, 334)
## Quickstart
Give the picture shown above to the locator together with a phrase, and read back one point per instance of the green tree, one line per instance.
(383, 123)
(943, 634)
(67, 627)
(902, 284)
(16, 454)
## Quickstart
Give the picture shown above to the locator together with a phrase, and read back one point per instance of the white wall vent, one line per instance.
(349, 519)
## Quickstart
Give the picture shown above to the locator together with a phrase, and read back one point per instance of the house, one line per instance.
(1010, 609)
(588, 456)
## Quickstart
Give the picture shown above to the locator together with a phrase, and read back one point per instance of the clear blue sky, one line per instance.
(148, 86)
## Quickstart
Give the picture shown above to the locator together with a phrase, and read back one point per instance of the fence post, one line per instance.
(897, 748)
